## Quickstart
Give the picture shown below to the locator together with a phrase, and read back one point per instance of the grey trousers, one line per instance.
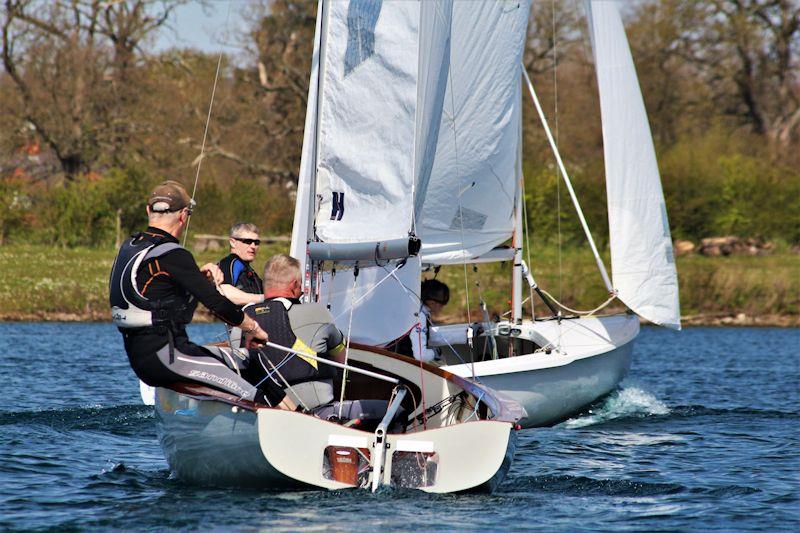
(208, 370)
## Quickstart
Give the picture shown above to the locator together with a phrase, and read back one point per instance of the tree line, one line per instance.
(91, 116)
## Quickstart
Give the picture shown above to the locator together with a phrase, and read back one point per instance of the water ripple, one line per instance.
(121, 419)
(586, 486)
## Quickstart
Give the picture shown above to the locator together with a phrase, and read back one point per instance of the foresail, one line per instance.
(384, 301)
(374, 111)
(642, 261)
(469, 205)
(369, 113)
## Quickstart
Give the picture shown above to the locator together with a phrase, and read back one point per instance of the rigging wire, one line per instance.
(205, 132)
(347, 343)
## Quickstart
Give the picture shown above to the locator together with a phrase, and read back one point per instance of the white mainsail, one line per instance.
(305, 181)
(642, 262)
(469, 205)
(374, 109)
(373, 96)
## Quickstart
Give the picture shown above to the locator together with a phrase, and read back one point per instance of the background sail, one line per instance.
(478, 141)
(642, 261)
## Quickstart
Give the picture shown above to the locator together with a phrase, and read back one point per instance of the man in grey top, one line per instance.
(307, 328)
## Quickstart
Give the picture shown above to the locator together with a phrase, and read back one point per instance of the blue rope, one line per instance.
(475, 411)
(275, 370)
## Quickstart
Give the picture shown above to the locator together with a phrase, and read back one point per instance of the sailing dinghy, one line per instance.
(461, 133)
(378, 82)
(558, 365)
(402, 425)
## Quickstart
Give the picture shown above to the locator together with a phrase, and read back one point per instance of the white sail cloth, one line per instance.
(469, 205)
(384, 301)
(642, 260)
(376, 92)
(382, 88)
(305, 181)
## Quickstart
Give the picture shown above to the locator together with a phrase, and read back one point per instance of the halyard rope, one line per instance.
(205, 132)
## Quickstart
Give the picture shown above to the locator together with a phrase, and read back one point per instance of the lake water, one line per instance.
(704, 434)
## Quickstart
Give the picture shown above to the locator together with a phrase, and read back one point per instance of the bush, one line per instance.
(15, 205)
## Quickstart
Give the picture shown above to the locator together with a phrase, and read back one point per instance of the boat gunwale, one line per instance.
(503, 409)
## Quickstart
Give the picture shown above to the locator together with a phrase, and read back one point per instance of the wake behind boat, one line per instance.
(403, 424)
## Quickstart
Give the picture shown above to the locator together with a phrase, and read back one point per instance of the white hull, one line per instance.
(588, 359)
(214, 439)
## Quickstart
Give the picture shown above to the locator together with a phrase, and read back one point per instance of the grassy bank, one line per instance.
(45, 283)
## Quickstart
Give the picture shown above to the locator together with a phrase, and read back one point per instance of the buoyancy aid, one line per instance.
(247, 280)
(273, 317)
(129, 308)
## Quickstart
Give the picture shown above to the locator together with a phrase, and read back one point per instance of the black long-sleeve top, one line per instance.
(173, 274)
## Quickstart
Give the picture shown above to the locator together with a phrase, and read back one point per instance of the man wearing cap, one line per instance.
(154, 289)
(241, 284)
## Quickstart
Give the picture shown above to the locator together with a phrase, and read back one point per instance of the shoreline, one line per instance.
(702, 320)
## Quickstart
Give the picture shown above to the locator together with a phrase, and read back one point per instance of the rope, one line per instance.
(477, 403)
(205, 132)
(276, 372)
(584, 313)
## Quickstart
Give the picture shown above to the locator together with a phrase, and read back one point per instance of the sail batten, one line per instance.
(642, 262)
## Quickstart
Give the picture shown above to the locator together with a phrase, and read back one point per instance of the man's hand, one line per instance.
(213, 273)
(259, 338)
(254, 336)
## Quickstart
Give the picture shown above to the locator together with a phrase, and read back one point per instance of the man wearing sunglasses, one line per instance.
(241, 284)
(155, 287)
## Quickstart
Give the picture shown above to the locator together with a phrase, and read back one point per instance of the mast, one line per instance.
(305, 205)
(517, 239)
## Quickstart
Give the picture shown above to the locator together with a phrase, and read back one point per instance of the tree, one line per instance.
(744, 53)
(72, 63)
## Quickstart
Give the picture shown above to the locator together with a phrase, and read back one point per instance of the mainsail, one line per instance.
(376, 107)
(374, 110)
(642, 260)
(469, 205)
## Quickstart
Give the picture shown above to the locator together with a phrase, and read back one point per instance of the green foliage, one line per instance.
(268, 207)
(716, 184)
(87, 210)
(15, 205)
(126, 192)
(76, 214)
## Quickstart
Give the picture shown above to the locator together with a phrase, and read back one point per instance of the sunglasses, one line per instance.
(248, 242)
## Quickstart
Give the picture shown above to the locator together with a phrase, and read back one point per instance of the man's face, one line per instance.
(297, 288)
(243, 244)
